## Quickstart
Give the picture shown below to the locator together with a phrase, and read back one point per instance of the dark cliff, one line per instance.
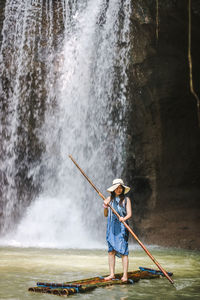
(2, 7)
(163, 132)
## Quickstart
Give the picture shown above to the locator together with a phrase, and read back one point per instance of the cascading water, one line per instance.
(25, 57)
(79, 83)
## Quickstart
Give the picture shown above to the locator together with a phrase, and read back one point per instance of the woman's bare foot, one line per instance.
(124, 279)
(110, 277)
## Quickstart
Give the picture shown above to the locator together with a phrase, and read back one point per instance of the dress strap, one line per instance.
(125, 202)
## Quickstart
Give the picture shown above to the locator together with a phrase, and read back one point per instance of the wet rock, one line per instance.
(2, 6)
(163, 142)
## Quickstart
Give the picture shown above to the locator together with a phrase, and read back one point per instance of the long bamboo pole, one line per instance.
(129, 229)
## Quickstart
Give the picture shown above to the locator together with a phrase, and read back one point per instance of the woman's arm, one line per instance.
(128, 210)
(105, 205)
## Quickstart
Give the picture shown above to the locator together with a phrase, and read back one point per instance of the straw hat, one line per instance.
(116, 183)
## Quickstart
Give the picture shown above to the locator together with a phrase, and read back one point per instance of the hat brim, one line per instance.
(114, 186)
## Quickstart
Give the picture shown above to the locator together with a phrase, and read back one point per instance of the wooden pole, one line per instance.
(129, 229)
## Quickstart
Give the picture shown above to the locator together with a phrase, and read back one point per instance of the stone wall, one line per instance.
(163, 134)
(2, 6)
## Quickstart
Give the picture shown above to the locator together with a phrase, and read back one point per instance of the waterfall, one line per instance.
(64, 92)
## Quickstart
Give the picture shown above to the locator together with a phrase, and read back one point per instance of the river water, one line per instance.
(21, 268)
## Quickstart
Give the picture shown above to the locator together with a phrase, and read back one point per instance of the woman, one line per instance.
(117, 234)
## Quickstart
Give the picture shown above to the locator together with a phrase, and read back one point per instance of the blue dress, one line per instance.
(117, 234)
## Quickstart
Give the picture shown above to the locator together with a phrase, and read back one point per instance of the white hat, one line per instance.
(116, 183)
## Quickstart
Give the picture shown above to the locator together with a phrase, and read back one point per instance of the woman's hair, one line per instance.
(121, 196)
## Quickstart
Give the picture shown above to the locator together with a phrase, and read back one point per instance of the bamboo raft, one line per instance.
(89, 284)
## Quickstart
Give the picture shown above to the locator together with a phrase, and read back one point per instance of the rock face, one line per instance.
(2, 6)
(163, 132)
(163, 142)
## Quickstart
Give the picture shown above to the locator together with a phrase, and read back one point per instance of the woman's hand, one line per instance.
(106, 201)
(121, 219)
(105, 205)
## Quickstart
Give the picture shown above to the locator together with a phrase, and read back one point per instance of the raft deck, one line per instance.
(89, 284)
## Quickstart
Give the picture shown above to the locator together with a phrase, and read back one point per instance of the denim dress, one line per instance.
(117, 234)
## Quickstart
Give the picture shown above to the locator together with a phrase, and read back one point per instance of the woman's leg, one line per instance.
(111, 260)
(125, 267)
